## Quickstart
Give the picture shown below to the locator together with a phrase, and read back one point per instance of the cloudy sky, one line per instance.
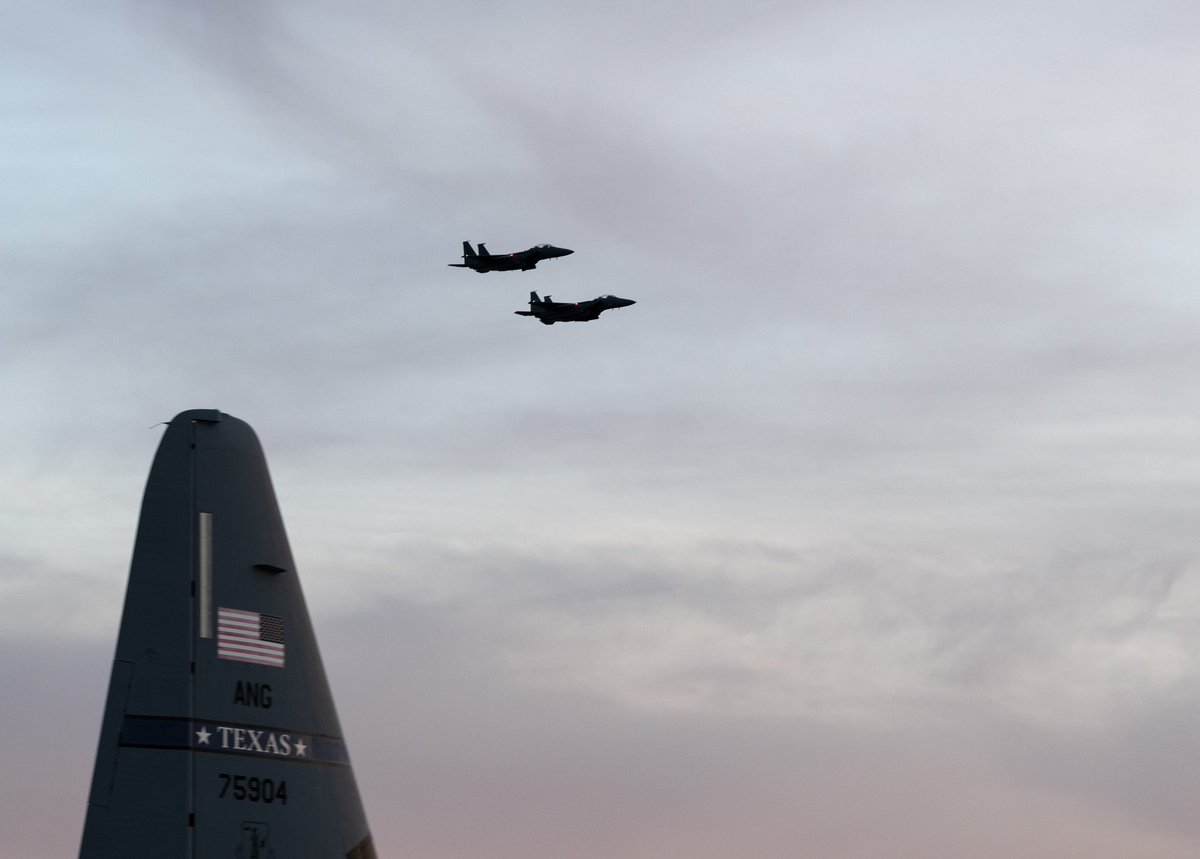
(869, 531)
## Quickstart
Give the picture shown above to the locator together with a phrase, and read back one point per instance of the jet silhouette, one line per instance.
(483, 261)
(548, 312)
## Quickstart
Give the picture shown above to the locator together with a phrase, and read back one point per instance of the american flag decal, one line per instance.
(247, 636)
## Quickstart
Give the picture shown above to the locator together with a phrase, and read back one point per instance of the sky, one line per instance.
(869, 531)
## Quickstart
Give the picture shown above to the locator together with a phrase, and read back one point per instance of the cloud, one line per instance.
(869, 528)
(871, 635)
(529, 756)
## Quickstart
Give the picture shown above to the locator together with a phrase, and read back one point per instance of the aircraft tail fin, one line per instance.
(533, 298)
(483, 251)
(468, 251)
(220, 736)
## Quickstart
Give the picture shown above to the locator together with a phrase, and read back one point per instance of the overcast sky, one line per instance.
(869, 531)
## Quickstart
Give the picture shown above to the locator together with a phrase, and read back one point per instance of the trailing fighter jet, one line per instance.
(548, 312)
(483, 261)
(220, 738)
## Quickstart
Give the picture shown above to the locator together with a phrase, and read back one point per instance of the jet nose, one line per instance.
(625, 302)
(563, 252)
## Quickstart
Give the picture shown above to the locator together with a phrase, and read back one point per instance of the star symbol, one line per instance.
(202, 736)
(301, 748)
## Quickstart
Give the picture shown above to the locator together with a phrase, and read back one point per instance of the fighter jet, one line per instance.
(548, 312)
(484, 262)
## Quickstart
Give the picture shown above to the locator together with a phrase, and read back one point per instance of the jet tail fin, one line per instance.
(468, 251)
(219, 736)
(483, 251)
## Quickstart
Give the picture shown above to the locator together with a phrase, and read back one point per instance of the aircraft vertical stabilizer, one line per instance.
(220, 737)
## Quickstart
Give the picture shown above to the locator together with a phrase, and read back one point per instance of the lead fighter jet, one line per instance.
(483, 261)
(548, 312)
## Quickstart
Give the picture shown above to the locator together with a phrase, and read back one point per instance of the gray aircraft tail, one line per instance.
(220, 737)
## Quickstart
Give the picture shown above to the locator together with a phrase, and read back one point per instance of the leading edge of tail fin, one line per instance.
(220, 737)
(468, 251)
